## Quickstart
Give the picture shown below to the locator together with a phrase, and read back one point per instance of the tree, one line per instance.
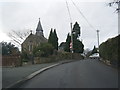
(109, 50)
(24, 56)
(94, 50)
(116, 4)
(9, 49)
(76, 30)
(50, 39)
(18, 37)
(67, 43)
(53, 39)
(78, 46)
(43, 50)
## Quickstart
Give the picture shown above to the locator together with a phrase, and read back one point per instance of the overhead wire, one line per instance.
(68, 11)
(83, 15)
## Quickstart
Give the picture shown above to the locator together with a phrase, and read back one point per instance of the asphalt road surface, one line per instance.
(79, 74)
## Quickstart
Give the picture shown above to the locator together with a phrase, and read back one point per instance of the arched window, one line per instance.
(30, 46)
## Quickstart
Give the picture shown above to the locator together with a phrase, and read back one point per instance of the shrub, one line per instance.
(109, 50)
(43, 50)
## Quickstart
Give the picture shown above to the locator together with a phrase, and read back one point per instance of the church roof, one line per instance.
(39, 26)
(35, 38)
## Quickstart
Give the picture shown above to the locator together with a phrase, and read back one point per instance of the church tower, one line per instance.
(39, 30)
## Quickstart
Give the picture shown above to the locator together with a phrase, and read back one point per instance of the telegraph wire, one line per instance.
(68, 11)
(83, 15)
(71, 28)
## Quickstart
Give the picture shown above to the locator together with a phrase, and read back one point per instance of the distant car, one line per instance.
(94, 56)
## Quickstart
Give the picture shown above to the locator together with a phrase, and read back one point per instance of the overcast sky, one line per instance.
(23, 15)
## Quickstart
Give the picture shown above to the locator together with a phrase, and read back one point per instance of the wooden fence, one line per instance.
(11, 60)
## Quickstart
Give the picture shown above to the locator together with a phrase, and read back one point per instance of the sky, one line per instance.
(23, 16)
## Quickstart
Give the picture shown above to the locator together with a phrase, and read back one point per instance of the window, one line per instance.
(30, 47)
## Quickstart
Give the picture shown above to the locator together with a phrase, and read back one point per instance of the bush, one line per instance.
(43, 50)
(24, 57)
(8, 48)
(69, 55)
(109, 50)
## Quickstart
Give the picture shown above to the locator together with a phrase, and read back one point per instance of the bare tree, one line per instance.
(116, 5)
(17, 37)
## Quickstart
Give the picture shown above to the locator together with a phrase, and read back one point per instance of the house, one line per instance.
(61, 47)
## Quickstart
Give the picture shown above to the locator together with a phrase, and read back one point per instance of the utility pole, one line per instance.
(71, 38)
(98, 38)
(71, 44)
(71, 41)
(118, 17)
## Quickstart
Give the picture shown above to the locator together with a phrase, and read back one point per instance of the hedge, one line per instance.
(109, 50)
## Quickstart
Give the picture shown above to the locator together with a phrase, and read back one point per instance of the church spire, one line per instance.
(39, 30)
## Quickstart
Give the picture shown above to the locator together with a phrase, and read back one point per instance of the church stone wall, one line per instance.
(31, 42)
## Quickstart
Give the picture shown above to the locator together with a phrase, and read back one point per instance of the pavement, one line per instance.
(0, 77)
(13, 76)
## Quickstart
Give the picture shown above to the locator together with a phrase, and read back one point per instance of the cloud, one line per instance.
(23, 16)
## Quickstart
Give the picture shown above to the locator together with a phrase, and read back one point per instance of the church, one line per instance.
(34, 40)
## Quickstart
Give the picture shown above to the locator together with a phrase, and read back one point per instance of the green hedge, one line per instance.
(109, 50)
(59, 57)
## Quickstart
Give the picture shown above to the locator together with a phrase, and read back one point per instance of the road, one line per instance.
(11, 75)
(79, 74)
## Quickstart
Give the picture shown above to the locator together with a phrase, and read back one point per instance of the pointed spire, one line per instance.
(39, 26)
(39, 30)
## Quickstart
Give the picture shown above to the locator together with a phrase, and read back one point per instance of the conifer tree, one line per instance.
(53, 39)
(50, 39)
(67, 44)
(78, 46)
(76, 30)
